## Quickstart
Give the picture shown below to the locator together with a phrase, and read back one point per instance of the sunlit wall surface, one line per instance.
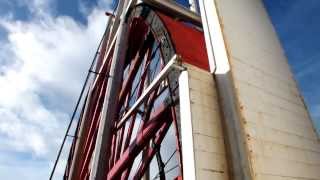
(296, 25)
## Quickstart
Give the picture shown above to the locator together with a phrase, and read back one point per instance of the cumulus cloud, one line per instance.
(43, 64)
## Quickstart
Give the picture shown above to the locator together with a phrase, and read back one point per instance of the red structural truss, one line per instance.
(147, 142)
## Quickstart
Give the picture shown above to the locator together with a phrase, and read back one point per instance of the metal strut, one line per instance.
(101, 151)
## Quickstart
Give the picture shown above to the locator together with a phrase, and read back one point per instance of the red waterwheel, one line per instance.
(145, 139)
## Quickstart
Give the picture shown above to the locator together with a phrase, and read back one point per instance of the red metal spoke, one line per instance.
(117, 144)
(152, 150)
(149, 105)
(140, 89)
(161, 115)
(73, 145)
(102, 53)
(129, 81)
(135, 65)
(90, 140)
(126, 173)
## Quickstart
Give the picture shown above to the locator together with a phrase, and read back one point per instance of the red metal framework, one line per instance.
(137, 140)
(145, 141)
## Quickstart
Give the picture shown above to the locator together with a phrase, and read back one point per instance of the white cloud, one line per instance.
(43, 64)
(86, 9)
(36, 7)
(105, 4)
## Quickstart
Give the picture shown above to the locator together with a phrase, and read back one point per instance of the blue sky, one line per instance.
(297, 25)
(46, 47)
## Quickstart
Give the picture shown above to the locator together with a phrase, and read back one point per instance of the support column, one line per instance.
(239, 164)
(278, 134)
(238, 161)
(100, 159)
(189, 169)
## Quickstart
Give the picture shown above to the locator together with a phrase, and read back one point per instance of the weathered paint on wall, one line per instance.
(208, 143)
(280, 137)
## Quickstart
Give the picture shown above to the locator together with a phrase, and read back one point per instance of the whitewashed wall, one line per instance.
(203, 138)
(280, 137)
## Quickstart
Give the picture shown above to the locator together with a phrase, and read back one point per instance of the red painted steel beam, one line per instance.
(143, 77)
(116, 144)
(119, 145)
(120, 141)
(100, 58)
(90, 140)
(126, 87)
(135, 65)
(149, 104)
(152, 150)
(125, 175)
(140, 89)
(105, 67)
(102, 53)
(112, 151)
(160, 116)
(81, 138)
(85, 166)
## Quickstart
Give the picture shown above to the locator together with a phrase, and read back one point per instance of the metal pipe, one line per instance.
(175, 10)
